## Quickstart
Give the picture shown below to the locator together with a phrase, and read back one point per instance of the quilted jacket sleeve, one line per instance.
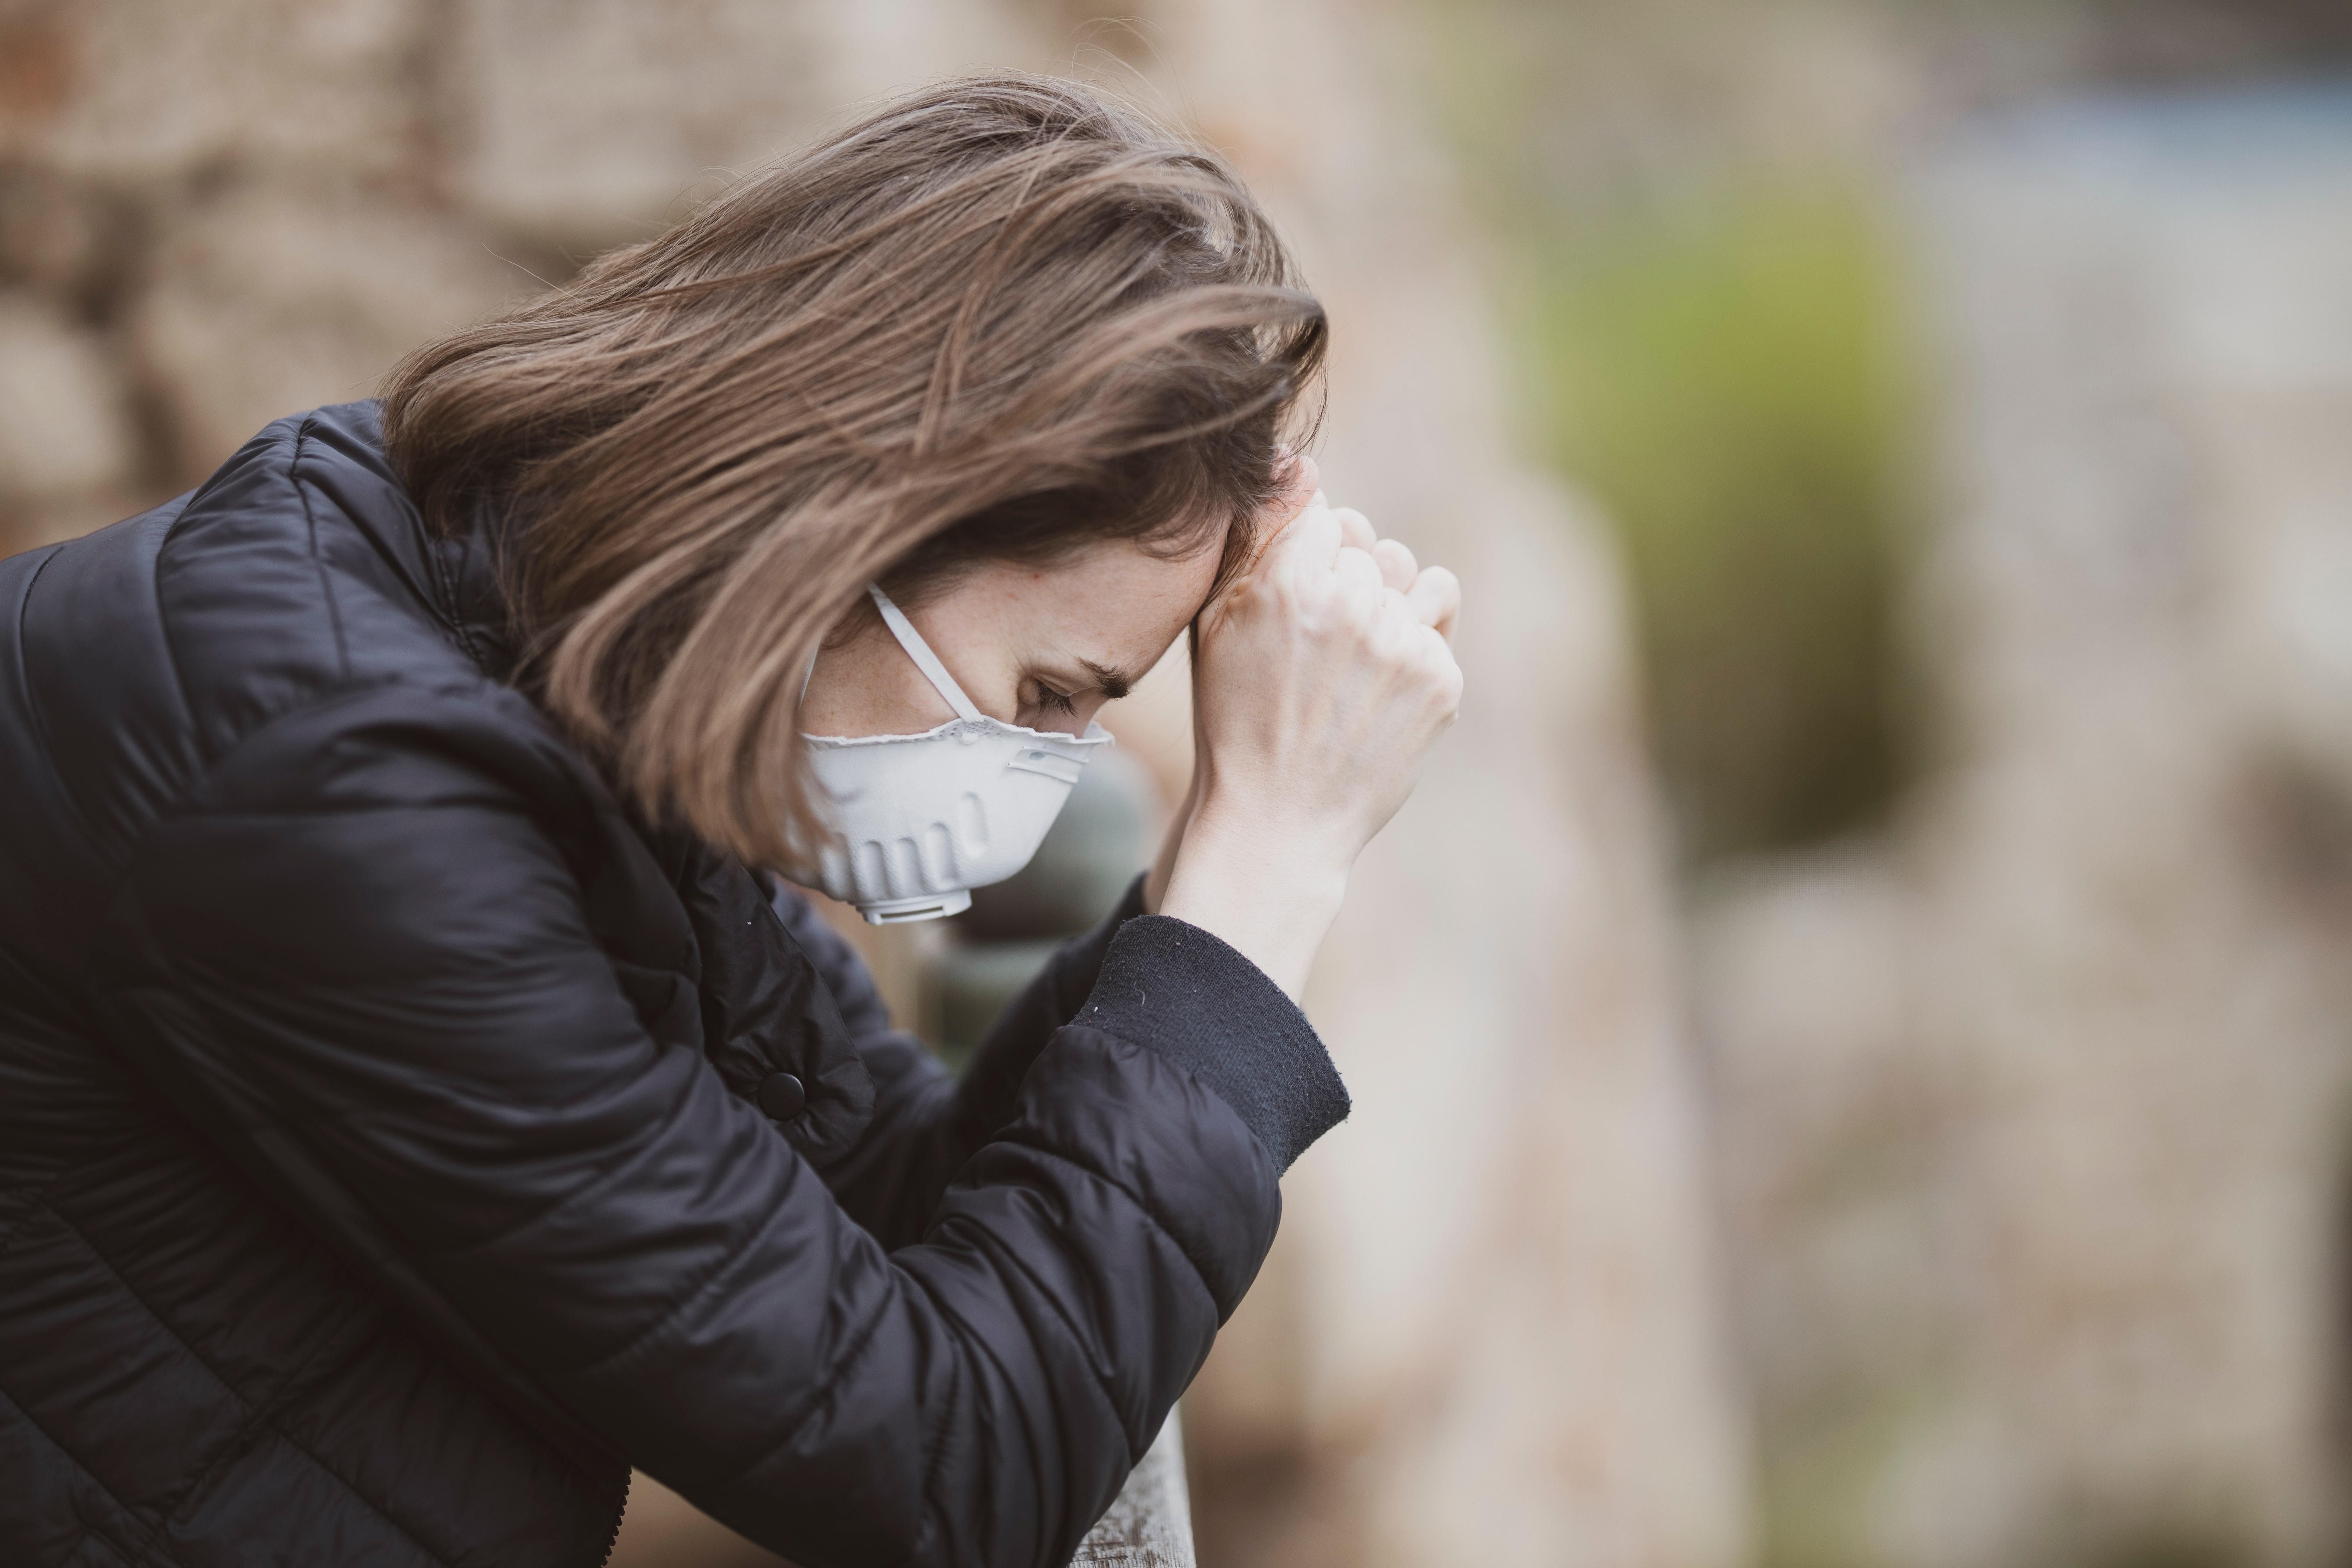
(364, 940)
(927, 1123)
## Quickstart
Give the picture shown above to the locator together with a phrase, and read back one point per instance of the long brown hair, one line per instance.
(1001, 316)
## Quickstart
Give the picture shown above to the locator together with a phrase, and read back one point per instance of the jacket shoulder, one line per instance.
(137, 657)
(301, 567)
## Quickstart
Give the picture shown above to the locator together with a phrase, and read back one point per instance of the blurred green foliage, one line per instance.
(1819, 1481)
(1710, 313)
(1726, 372)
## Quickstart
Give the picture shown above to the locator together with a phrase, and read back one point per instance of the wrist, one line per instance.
(1307, 852)
(1163, 864)
(1268, 891)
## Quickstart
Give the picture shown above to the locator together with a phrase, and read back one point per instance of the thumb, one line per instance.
(1298, 493)
(1300, 483)
(1301, 491)
(1300, 486)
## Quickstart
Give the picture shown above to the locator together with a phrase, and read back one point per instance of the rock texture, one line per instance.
(64, 428)
(272, 297)
(1151, 1524)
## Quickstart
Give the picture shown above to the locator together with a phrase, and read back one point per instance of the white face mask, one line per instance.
(918, 820)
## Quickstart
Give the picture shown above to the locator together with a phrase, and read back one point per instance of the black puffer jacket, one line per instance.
(397, 1140)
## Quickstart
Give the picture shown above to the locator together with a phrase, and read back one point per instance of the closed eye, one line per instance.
(1053, 701)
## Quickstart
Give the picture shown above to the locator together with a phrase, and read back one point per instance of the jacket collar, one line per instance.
(472, 595)
(454, 578)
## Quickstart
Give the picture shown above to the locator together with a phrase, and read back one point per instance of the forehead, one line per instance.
(1114, 602)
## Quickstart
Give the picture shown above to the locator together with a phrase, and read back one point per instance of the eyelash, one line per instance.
(1054, 702)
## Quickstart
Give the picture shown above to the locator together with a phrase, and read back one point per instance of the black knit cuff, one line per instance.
(1169, 984)
(1077, 963)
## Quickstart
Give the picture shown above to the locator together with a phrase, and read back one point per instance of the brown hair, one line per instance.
(1001, 316)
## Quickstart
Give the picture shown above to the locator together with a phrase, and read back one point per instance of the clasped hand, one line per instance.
(1322, 676)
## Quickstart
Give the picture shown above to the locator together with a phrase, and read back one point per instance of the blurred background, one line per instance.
(1851, 1040)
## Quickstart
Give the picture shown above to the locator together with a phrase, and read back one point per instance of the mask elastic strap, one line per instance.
(925, 660)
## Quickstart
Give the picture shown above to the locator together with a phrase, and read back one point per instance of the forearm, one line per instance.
(927, 1124)
(1067, 1283)
(991, 1085)
(1266, 888)
(978, 1397)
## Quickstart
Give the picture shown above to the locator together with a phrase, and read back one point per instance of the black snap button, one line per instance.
(781, 1096)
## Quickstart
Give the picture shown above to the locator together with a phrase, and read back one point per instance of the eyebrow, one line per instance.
(1114, 683)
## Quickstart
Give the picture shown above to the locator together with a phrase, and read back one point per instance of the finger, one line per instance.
(1311, 539)
(1445, 673)
(1398, 568)
(1437, 598)
(1359, 574)
(1355, 527)
(1298, 493)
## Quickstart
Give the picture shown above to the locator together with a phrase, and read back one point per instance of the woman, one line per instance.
(420, 1103)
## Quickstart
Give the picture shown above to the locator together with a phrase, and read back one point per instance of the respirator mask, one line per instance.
(916, 821)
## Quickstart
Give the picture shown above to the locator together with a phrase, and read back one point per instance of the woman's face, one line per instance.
(1044, 646)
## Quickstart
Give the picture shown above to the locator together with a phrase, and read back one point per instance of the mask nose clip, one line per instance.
(1060, 769)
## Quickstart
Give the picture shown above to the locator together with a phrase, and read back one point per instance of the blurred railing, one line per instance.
(1150, 1525)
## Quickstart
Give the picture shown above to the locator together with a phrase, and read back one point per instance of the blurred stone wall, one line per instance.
(2033, 1115)
(1488, 1332)
(213, 214)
